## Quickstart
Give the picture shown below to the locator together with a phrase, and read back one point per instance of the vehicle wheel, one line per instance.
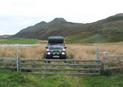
(65, 61)
(47, 61)
(46, 57)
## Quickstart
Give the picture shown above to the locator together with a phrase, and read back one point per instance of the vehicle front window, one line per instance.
(56, 41)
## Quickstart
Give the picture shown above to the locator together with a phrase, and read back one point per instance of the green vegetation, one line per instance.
(87, 38)
(114, 33)
(104, 81)
(78, 38)
(18, 41)
(110, 32)
(18, 79)
(114, 18)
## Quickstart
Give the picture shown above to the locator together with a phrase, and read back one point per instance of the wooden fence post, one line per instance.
(17, 59)
(74, 61)
(97, 55)
(105, 56)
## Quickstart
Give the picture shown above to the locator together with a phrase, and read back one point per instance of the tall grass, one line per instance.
(78, 51)
(88, 51)
(36, 51)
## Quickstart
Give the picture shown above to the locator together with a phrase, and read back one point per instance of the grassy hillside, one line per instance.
(87, 38)
(105, 30)
(109, 32)
(42, 30)
(17, 79)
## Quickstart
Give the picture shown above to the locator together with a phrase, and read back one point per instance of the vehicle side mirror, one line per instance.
(46, 47)
(65, 47)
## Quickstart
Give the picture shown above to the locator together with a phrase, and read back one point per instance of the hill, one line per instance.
(105, 30)
(58, 26)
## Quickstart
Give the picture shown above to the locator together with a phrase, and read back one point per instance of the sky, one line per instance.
(18, 14)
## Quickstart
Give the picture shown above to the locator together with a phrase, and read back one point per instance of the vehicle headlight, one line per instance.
(48, 53)
(47, 49)
(64, 49)
(63, 53)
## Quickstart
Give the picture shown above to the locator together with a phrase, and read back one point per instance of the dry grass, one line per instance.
(78, 51)
(88, 51)
(81, 51)
(34, 52)
(7, 51)
(31, 52)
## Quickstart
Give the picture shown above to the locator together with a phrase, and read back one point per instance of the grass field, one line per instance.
(18, 79)
(88, 51)
(19, 41)
(79, 51)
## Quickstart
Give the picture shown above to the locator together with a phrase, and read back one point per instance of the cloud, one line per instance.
(17, 14)
(13, 24)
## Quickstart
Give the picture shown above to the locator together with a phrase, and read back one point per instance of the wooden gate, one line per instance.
(58, 66)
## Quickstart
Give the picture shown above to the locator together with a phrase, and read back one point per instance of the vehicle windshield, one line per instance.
(55, 41)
